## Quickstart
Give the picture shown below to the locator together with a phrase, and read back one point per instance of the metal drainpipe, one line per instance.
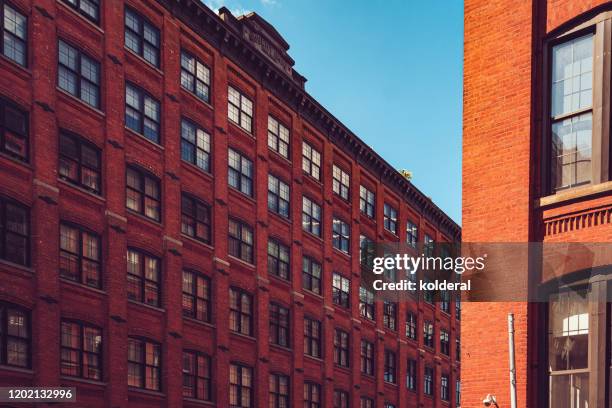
(512, 362)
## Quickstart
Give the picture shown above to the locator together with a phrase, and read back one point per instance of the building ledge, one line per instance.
(574, 194)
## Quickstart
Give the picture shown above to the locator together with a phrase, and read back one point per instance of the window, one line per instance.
(195, 145)
(241, 386)
(312, 337)
(569, 334)
(428, 381)
(458, 348)
(279, 325)
(143, 277)
(80, 255)
(81, 350)
(241, 240)
(13, 130)
(390, 218)
(196, 376)
(341, 399)
(412, 234)
(366, 303)
(240, 172)
(144, 364)
(142, 112)
(15, 337)
(367, 357)
(241, 312)
(367, 202)
(278, 196)
(79, 162)
(240, 109)
(444, 342)
(143, 193)
(90, 9)
(390, 367)
(428, 246)
(311, 161)
(141, 37)
(14, 232)
(340, 182)
(311, 275)
(571, 113)
(278, 259)
(341, 235)
(279, 391)
(195, 218)
(195, 76)
(341, 348)
(278, 137)
(341, 288)
(15, 33)
(458, 306)
(367, 252)
(428, 294)
(390, 315)
(389, 405)
(366, 402)
(311, 216)
(445, 301)
(411, 375)
(458, 392)
(312, 395)
(411, 326)
(78, 74)
(444, 390)
(196, 296)
(428, 333)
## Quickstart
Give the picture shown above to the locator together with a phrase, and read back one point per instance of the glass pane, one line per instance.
(572, 75)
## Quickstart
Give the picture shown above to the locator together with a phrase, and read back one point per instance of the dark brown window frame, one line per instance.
(195, 298)
(342, 348)
(4, 104)
(3, 29)
(243, 246)
(197, 376)
(142, 278)
(144, 366)
(142, 22)
(309, 400)
(4, 336)
(239, 313)
(143, 175)
(312, 342)
(367, 357)
(4, 201)
(80, 143)
(77, 7)
(280, 325)
(197, 206)
(390, 367)
(80, 256)
(77, 72)
(81, 350)
(277, 398)
(308, 276)
(240, 386)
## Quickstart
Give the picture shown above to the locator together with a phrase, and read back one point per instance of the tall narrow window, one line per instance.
(78, 74)
(241, 240)
(144, 364)
(143, 277)
(15, 35)
(80, 255)
(278, 196)
(311, 161)
(428, 245)
(196, 376)
(390, 367)
(195, 218)
(312, 337)
(279, 325)
(279, 391)
(311, 216)
(366, 402)
(90, 9)
(142, 37)
(143, 193)
(411, 326)
(341, 348)
(241, 386)
(444, 342)
(390, 218)
(411, 375)
(341, 290)
(367, 307)
(142, 112)
(571, 113)
(312, 395)
(444, 389)
(14, 232)
(195, 145)
(390, 315)
(367, 357)
(367, 201)
(79, 162)
(458, 392)
(311, 275)
(240, 172)
(428, 386)
(196, 296)
(341, 235)
(241, 312)
(412, 234)
(240, 109)
(428, 333)
(15, 336)
(341, 399)
(13, 130)
(367, 252)
(278, 259)
(458, 348)
(81, 350)
(195, 76)
(340, 182)
(278, 137)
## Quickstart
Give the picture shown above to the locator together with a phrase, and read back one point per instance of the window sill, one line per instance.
(280, 348)
(82, 286)
(342, 253)
(250, 199)
(199, 322)
(83, 380)
(318, 296)
(22, 268)
(149, 307)
(242, 262)
(280, 280)
(244, 336)
(81, 17)
(197, 401)
(280, 217)
(17, 161)
(316, 359)
(199, 171)
(17, 369)
(81, 104)
(196, 99)
(151, 393)
(17, 69)
(157, 70)
(197, 242)
(241, 129)
(80, 189)
(279, 157)
(574, 194)
(143, 218)
(144, 139)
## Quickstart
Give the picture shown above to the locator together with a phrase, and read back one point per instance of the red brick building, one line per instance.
(537, 135)
(186, 140)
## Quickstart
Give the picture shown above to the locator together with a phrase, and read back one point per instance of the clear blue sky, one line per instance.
(389, 70)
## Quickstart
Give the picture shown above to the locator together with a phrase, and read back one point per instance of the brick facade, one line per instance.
(51, 200)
